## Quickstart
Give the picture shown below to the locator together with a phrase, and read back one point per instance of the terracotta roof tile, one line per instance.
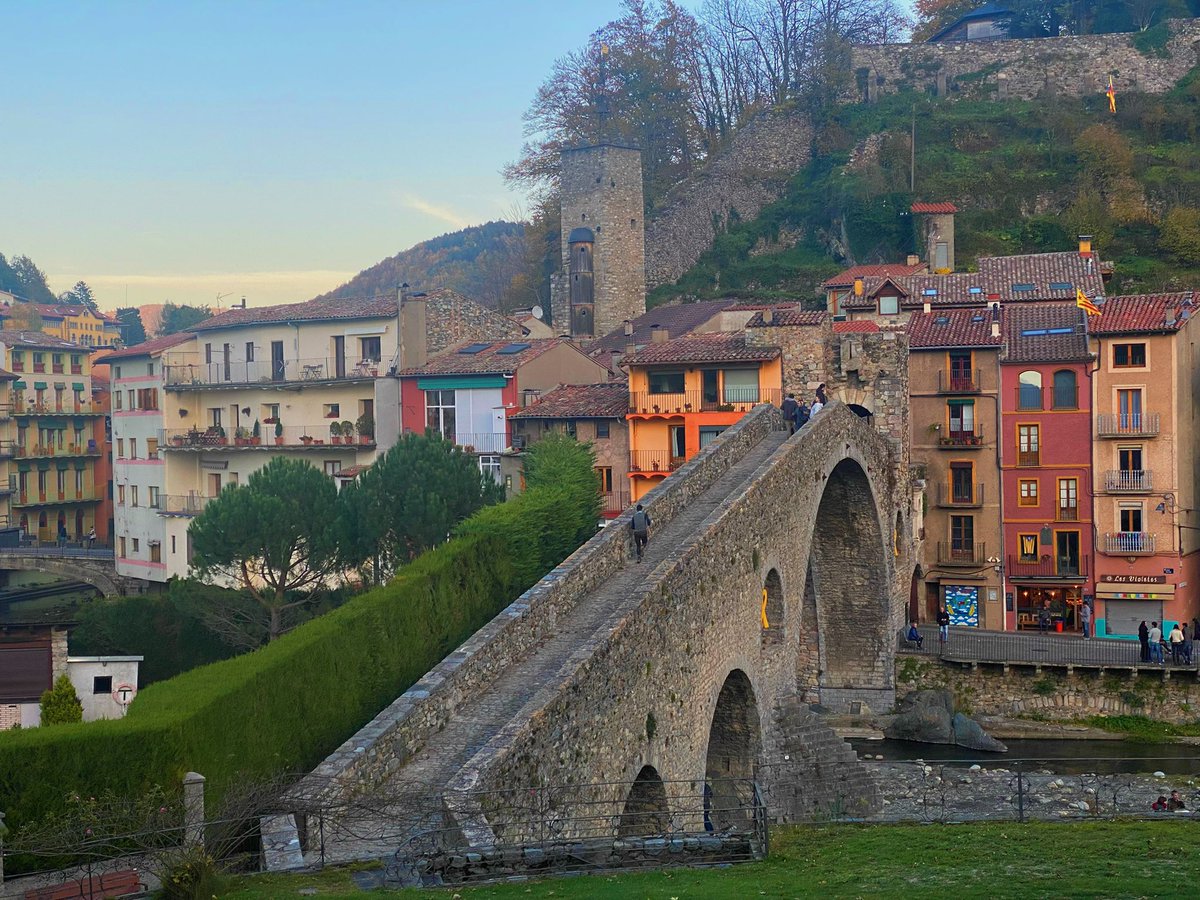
(38, 339)
(678, 318)
(802, 317)
(488, 360)
(861, 327)
(1052, 276)
(951, 328)
(719, 346)
(311, 310)
(1143, 313)
(147, 348)
(883, 270)
(922, 208)
(955, 289)
(1044, 332)
(580, 401)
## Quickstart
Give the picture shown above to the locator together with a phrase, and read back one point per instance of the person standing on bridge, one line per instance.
(943, 623)
(62, 534)
(789, 408)
(1156, 654)
(1085, 620)
(819, 402)
(1176, 640)
(91, 537)
(1144, 639)
(640, 523)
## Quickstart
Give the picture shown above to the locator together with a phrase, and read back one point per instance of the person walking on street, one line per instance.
(640, 523)
(1085, 620)
(789, 407)
(1144, 639)
(91, 537)
(943, 623)
(1156, 654)
(1176, 641)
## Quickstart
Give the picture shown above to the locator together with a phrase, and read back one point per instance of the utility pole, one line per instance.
(912, 149)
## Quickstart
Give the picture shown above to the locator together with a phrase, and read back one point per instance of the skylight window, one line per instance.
(929, 292)
(1022, 288)
(1061, 286)
(512, 349)
(1033, 332)
(474, 348)
(976, 318)
(974, 290)
(942, 320)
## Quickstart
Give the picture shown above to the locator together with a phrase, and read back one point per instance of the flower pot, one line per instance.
(278, 442)
(365, 439)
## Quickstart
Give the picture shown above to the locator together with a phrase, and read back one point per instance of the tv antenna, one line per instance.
(221, 297)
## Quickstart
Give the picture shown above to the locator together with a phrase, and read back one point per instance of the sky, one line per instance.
(180, 150)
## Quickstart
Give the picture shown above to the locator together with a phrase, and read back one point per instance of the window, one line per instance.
(1068, 499)
(1027, 547)
(79, 482)
(270, 411)
(155, 552)
(18, 362)
(370, 347)
(962, 535)
(962, 482)
(153, 496)
(208, 354)
(133, 448)
(332, 467)
(1066, 543)
(121, 546)
(1129, 459)
(665, 382)
(569, 427)
(1028, 445)
(1129, 410)
(1130, 517)
(962, 418)
(151, 447)
(1129, 356)
(249, 351)
(172, 543)
(149, 368)
(1029, 390)
(117, 400)
(214, 416)
(147, 398)
(133, 404)
(604, 475)
(102, 684)
(941, 255)
(120, 448)
(133, 497)
(889, 306)
(1065, 395)
(741, 385)
(678, 442)
(136, 545)
(708, 434)
(332, 410)
(602, 426)
(439, 413)
(1027, 492)
(490, 465)
(960, 371)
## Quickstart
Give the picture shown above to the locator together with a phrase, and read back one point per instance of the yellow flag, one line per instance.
(1111, 93)
(1082, 301)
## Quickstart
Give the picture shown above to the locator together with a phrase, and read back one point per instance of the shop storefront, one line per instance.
(1125, 601)
(1061, 600)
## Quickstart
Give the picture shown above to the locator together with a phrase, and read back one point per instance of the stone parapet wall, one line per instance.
(1025, 69)
(1054, 693)
(382, 746)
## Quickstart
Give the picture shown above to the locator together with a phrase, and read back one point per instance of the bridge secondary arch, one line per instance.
(734, 748)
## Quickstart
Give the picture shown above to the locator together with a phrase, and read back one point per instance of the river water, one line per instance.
(1060, 757)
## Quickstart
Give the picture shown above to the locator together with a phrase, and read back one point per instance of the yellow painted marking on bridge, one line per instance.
(766, 624)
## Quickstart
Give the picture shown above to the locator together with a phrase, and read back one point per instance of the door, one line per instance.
(710, 390)
(277, 365)
(962, 486)
(960, 370)
(1067, 548)
(499, 430)
(339, 356)
(678, 445)
(226, 359)
(1129, 410)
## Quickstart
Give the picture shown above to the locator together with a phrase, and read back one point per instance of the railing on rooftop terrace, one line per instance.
(682, 402)
(181, 504)
(188, 371)
(292, 436)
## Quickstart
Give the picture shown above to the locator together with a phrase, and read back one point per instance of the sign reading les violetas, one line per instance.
(1134, 579)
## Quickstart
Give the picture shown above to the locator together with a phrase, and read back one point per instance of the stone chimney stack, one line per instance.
(912, 259)
(1085, 246)
(659, 335)
(768, 316)
(628, 328)
(412, 327)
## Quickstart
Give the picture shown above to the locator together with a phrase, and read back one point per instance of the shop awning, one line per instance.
(461, 382)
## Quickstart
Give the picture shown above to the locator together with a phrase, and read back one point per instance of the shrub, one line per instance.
(1181, 233)
(60, 704)
(285, 707)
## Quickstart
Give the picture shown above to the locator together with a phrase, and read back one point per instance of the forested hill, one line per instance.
(1027, 176)
(480, 262)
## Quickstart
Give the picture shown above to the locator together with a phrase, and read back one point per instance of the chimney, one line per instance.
(630, 349)
(913, 260)
(995, 329)
(412, 337)
(628, 328)
(926, 307)
(1085, 245)
(768, 316)
(858, 287)
(659, 335)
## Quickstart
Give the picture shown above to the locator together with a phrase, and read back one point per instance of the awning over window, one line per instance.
(461, 382)
(19, 385)
(78, 386)
(62, 464)
(22, 466)
(39, 385)
(961, 402)
(80, 464)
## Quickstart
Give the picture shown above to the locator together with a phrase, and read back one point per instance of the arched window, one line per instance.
(1029, 394)
(1065, 393)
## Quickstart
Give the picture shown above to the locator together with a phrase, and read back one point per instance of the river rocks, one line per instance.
(928, 716)
(969, 733)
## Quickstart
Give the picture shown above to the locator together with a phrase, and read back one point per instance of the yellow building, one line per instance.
(684, 392)
(73, 323)
(53, 438)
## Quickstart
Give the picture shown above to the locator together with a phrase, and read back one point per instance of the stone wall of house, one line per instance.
(750, 173)
(1055, 693)
(451, 318)
(1026, 69)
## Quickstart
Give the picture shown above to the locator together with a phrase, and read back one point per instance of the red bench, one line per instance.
(110, 884)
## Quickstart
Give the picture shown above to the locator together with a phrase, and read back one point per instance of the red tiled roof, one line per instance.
(861, 327)
(678, 318)
(751, 306)
(38, 339)
(1054, 276)
(352, 471)
(1143, 313)
(933, 208)
(152, 347)
(802, 317)
(951, 328)
(721, 346)
(1020, 319)
(311, 310)
(488, 361)
(955, 289)
(883, 270)
(580, 401)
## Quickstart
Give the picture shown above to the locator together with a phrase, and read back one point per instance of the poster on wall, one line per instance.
(962, 603)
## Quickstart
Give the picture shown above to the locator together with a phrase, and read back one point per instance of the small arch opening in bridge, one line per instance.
(772, 610)
(734, 743)
(850, 559)
(646, 810)
(859, 410)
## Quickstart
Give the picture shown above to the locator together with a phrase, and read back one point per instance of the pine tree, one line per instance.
(60, 704)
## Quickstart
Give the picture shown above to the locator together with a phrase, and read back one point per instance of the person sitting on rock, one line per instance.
(1175, 802)
(1159, 805)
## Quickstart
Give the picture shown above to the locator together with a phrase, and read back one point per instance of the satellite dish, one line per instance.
(537, 312)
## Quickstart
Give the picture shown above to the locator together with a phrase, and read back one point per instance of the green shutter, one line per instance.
(461, 382)
(19, 385)
(78, 386)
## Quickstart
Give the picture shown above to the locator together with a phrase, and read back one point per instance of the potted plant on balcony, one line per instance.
(221, 438)
(256, 434)
(335, 432)
(239, 436)
(306, 439)
(366, 428)
(278, 433)
(347, 431)
(177, 440)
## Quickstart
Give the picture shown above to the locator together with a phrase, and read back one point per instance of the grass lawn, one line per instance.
(1103, 859)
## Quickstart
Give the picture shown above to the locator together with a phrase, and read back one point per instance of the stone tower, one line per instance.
(603, 277)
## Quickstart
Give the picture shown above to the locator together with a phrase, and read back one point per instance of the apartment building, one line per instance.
(68, 321)
(1144, 455)
(954, 405)
(54, 438)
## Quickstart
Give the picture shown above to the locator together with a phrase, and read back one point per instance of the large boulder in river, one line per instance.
(969, 733)
(924, 716)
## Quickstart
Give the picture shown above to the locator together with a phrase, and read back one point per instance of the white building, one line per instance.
(106, 685)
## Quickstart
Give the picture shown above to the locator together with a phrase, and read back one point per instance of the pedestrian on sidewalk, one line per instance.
(789, 408)
(943, 623)
(1196, 637)
(1186, 649)
(1044, 616)
(1176, 641)
(1144, 639)
(91, 537)
(1156, 654)
(640, 523)
(1085, 620)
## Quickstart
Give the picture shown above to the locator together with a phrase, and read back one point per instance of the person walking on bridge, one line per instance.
(640, 523)
(1156, 654)
(789, 407)
(1085, 620)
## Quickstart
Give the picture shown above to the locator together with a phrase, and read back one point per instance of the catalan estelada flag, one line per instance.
(1082, 301)
(1111, 93)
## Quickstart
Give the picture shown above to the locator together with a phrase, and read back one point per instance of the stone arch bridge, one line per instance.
(774, 580)
(92, 566)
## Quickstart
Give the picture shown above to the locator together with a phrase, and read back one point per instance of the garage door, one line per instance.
(1124, 616)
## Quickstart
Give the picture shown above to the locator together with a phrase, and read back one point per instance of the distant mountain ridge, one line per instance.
(479, 262)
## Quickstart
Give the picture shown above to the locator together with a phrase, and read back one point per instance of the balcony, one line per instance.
(1066, 514)
(740, 400)
(959, 382)
(91, 448)
(1119, 425)
(1046, 566)
(962, 440)
(1128, 481)
(482, 441)
(55, 497)
(294, 437)
(1029, 459)
(653, 462)
(180, 504)
(955, 554)
(29, 408)
(952, 496)
(613, 503)
(1128, 543)
(183, 372)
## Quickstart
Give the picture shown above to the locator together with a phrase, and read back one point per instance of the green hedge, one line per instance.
(287, 706)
